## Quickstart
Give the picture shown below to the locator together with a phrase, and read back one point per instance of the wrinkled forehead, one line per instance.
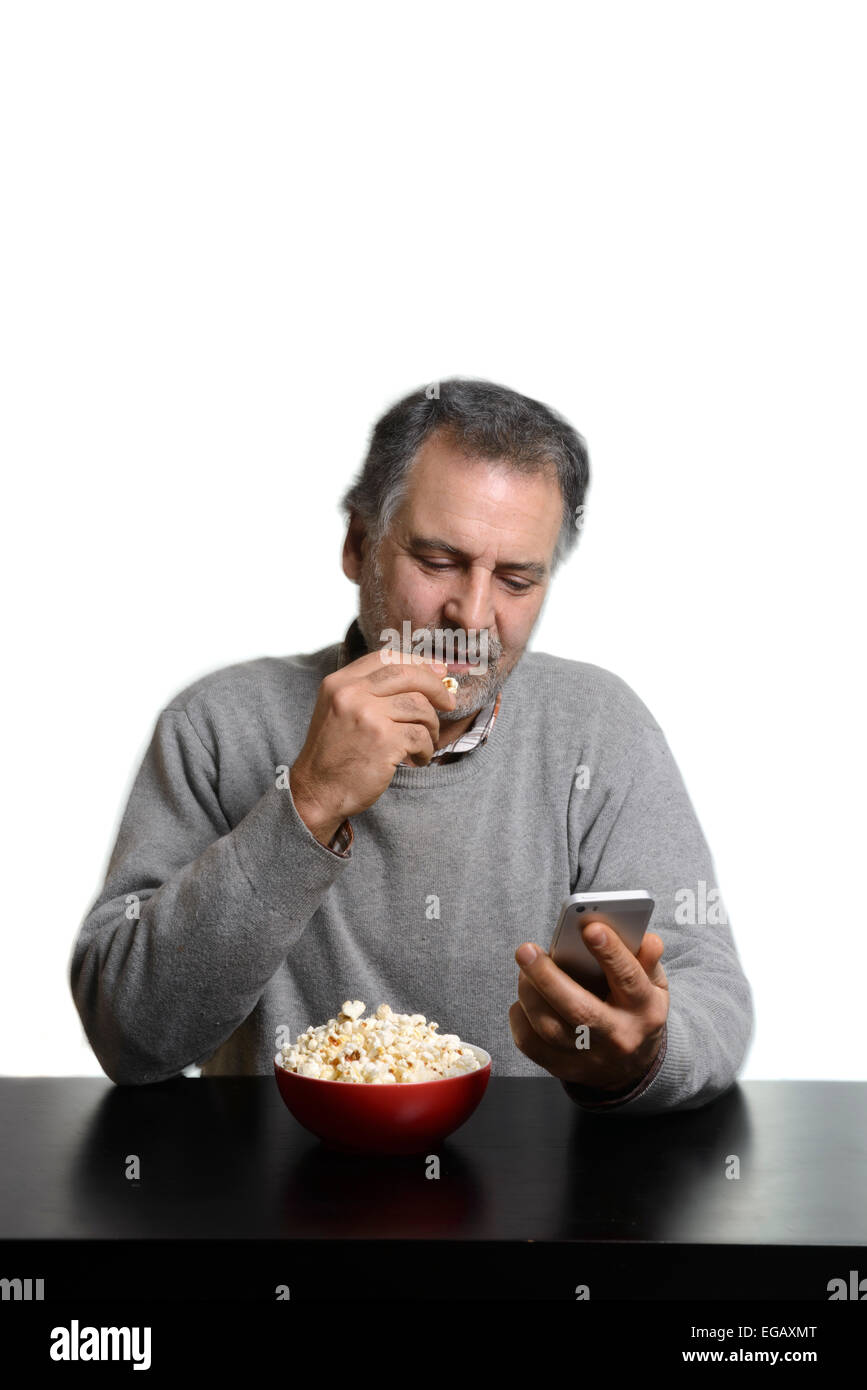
(470, 500)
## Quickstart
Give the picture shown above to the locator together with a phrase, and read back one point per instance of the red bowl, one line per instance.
(373, 1117)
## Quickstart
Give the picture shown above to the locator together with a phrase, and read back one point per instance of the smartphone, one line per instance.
(627, 913)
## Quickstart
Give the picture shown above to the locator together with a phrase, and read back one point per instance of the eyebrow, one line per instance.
(533, 567)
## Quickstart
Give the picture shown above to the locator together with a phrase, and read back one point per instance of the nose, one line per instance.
(470, 602)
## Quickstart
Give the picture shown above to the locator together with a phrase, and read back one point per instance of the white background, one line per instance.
(234, 233)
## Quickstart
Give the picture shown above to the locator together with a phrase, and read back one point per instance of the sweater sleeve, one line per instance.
(194, 917)
(646, 835)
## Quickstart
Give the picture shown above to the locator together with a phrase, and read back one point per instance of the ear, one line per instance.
(354, 548)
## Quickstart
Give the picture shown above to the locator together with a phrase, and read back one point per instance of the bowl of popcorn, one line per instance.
(387, 1084)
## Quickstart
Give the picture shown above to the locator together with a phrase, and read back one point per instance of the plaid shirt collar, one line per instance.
(353, 646)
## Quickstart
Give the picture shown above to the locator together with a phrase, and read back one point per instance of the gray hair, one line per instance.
(485, 421)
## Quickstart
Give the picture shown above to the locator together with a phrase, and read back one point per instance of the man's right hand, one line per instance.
(369, 717)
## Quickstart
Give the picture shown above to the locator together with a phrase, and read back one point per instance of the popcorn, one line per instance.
(387, 1049)
(352, 1008)
(450, 684)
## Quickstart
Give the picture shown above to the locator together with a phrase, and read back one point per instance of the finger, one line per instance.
(546, 1023)
(412, 708)
(417, 745)
(565, 996)
(554, 1059)
(649, 958)
(361, 667)
(398, 671)
(401, 671)
(627, 979)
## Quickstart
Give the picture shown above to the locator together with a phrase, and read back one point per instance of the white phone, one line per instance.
(627, 913)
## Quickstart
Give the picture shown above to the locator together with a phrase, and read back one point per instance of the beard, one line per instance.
(475, 691)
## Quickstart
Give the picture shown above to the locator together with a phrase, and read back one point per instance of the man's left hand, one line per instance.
(625, 1028)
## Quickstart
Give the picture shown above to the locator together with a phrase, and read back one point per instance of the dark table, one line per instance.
(535, 1197)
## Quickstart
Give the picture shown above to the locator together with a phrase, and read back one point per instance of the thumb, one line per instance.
(649, 958)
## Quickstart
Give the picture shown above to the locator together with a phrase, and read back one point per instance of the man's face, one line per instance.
(469, 548)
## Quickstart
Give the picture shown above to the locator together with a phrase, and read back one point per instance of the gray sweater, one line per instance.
(224, 928)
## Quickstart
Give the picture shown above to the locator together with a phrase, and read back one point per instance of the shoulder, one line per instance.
(262, 680)
(581, 688)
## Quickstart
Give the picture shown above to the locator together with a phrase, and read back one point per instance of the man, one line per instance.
(310, 829)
